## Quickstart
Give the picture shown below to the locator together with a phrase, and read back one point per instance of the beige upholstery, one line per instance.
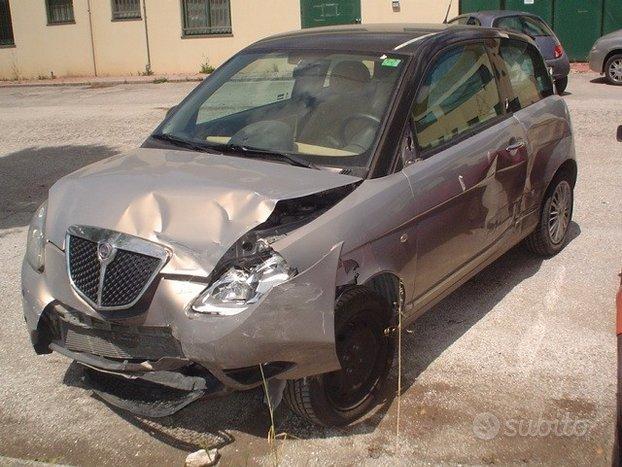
(348, 78)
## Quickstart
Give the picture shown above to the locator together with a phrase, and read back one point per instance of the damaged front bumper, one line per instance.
(160, 356)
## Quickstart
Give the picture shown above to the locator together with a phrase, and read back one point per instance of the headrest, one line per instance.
(349, 75)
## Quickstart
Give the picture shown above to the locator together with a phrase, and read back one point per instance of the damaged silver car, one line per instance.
(282, 215)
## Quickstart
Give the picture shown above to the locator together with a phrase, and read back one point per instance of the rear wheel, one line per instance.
(551, 234)
(613, 70)
(365, 354)
(561, 84)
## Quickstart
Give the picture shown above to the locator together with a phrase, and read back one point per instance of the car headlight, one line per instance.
(35, 246)
(241, 286)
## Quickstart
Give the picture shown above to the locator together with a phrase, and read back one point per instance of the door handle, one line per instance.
(515, 146)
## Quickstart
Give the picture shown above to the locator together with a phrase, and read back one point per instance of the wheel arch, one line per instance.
(387, 285)
(568, 167)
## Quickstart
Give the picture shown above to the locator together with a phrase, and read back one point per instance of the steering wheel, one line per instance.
(372, 119)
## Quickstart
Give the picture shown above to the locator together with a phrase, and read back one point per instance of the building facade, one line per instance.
(44, 38)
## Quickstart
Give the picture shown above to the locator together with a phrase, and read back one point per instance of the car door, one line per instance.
(533, 103)
(465, 141)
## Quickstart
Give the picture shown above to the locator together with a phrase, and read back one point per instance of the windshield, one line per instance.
(324, 108)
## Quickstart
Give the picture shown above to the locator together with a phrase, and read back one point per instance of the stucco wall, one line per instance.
(409, 11)
(120, 46)
(41, 49)
(250, 20)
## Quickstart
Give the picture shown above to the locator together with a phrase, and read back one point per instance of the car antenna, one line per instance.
(447, 14)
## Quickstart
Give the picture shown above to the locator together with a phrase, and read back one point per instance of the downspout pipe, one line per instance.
(88, 6)
(148, 66)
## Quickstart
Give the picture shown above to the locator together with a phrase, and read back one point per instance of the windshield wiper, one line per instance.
(291, 158)
(184, 143)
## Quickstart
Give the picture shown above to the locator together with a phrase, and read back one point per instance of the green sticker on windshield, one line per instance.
(392, 62)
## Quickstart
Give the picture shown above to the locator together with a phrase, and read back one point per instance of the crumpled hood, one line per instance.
(198, 204)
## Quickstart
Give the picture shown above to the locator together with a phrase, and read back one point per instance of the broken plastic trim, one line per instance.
(288, 215)
(157, 394)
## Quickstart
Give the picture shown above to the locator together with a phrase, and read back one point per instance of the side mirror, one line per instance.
(171, 111)
(619, 135)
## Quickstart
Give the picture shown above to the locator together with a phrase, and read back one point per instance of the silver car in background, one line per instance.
(606, 57)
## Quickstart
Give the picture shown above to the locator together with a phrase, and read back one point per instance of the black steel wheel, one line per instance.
(366, 356)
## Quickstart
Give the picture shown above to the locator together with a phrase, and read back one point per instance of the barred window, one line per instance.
(6, 28)
(202, 17)
(125, 9)
(59, 11)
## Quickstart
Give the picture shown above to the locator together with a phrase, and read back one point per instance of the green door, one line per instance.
(542, 8)
(613, 16)
(467, 6)
(329, 12)
(578, 25)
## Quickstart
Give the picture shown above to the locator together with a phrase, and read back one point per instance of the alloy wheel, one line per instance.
(615, 70)
(559, 212)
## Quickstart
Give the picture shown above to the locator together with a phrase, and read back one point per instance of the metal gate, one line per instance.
(577, 23)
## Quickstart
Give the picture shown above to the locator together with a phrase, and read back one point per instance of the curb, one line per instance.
(60, 83)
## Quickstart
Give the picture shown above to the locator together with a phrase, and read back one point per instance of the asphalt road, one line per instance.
(516, 366)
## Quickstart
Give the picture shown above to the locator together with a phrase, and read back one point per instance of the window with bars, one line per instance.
(125, 9)
(6, 28)
(59, 11)
(201, 17)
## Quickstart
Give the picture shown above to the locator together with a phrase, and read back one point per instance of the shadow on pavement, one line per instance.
(208, 423)
(27, 175)
(600, 80)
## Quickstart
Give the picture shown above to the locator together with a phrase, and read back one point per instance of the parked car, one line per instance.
(606, 57)
(532, 25)
(273, 224)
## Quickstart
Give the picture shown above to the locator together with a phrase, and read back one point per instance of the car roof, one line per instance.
(373, 38)
(499, 14)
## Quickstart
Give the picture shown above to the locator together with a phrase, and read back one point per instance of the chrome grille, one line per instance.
(85, 267)
(126, 276)
(118, 280)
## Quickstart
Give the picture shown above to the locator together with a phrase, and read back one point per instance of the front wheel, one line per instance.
(366, 356)
(561, 84)
(551, 234)
(613, 70)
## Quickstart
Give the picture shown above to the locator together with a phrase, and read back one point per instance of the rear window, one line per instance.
(524, 24)
(534, 27)
(470, 20)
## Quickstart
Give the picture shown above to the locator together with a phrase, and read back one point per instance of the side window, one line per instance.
(458, 94)
(511, 23)
(472, 21)
(527, 73)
